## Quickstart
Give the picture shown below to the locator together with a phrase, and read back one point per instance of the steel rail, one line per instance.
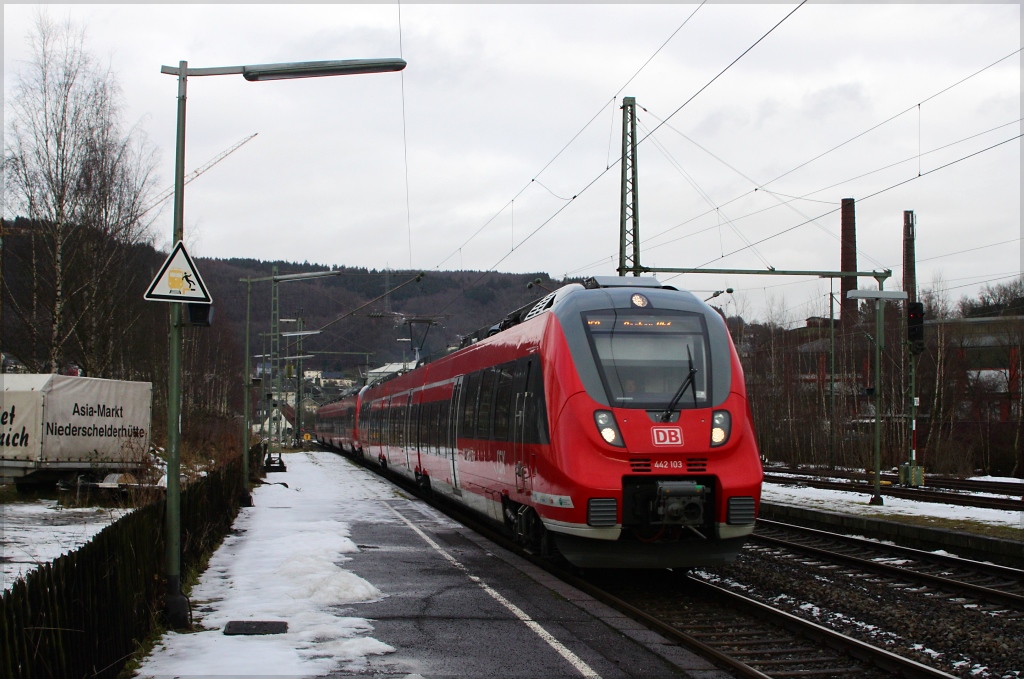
(879, 657)
(947, 559)
(987, 593)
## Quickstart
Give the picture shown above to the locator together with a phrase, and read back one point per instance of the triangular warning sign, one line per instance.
(178, 280)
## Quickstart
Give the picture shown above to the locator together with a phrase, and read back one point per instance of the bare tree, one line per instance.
(80, 179)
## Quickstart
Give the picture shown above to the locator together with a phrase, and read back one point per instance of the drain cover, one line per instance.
(256, 627)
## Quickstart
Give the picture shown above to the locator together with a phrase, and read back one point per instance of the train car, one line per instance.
(608, 422)
(336, 423)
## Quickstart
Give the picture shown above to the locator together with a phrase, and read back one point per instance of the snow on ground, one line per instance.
(282, 563)
(849, 502)
(36, 532)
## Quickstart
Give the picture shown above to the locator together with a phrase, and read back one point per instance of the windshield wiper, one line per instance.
(666, 416)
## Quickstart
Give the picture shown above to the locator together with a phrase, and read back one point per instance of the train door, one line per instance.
(408, 433)
(451, 443)
(520, 423)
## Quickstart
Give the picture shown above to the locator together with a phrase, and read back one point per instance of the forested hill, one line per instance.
(460, 301)
(107, 330)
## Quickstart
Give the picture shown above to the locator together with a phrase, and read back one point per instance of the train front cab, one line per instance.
(648, 485)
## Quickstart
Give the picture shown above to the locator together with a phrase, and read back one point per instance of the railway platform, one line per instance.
(371, 582)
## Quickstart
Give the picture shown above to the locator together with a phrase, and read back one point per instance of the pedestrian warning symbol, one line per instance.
(178, 280)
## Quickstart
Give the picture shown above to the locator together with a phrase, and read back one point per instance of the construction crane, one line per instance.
(195, 173)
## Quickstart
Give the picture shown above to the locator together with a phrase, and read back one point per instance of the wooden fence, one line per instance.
(85, 614)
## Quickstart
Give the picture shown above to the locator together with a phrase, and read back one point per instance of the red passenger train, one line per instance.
(608, 421)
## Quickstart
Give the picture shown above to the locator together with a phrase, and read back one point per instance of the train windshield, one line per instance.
(644, 356)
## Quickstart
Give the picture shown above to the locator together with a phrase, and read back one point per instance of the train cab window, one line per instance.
(486, 407)
(503, 401)
(646, 356)
(469, 398)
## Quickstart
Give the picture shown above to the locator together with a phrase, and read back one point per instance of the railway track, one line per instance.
(736, 633)
(920, 494)
(988, 588)
(748, 637)
(1008, 488)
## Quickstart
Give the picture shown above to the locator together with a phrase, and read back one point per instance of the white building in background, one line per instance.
(285, 423)
(315, 375)
(389, 369)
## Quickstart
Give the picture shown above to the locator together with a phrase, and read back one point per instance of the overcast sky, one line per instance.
(493, 92)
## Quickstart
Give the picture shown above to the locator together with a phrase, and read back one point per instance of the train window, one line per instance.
(503, 401)
(427, 415)
(439, 427)
(395, 436)
(469, 405)
(403, 423)
(529, 390)
(414, 426)
(442, 429)
(485, 409)
(435, 428)
(429, 425)
(378, 417)
(645, 356)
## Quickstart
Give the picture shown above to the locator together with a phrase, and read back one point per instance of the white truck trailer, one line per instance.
(57, 427)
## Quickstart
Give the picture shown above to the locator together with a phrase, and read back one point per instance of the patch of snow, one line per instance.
(284, 562)
(37, 532)
(849, 502)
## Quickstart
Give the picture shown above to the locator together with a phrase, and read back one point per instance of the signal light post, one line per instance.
(911, 474)
(879, 296)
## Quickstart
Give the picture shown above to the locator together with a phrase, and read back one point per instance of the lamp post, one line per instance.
(176, 605)
(879, 296)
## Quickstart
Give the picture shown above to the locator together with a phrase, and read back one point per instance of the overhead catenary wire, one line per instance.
(757, 188)
(405, 142)
(891, 118)
(652, 246)
(869, 196)
(570, 142)
(838, 146)
(606, 169)
(703, 194)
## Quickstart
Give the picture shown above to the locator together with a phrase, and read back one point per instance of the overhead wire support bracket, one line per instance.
(879, 275)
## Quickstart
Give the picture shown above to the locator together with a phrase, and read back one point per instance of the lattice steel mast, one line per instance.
(629, 212)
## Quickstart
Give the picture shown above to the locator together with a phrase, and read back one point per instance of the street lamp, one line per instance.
(176, 607)
(880, 296)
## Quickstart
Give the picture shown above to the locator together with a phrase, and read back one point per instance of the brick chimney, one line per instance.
(848, 262)
(909, 259)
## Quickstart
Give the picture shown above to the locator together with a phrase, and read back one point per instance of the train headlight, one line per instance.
(721, 424)
(608, 429)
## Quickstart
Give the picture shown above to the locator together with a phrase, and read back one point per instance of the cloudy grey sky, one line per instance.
(494, 92)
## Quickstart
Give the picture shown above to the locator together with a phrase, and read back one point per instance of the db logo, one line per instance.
(667, 436)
